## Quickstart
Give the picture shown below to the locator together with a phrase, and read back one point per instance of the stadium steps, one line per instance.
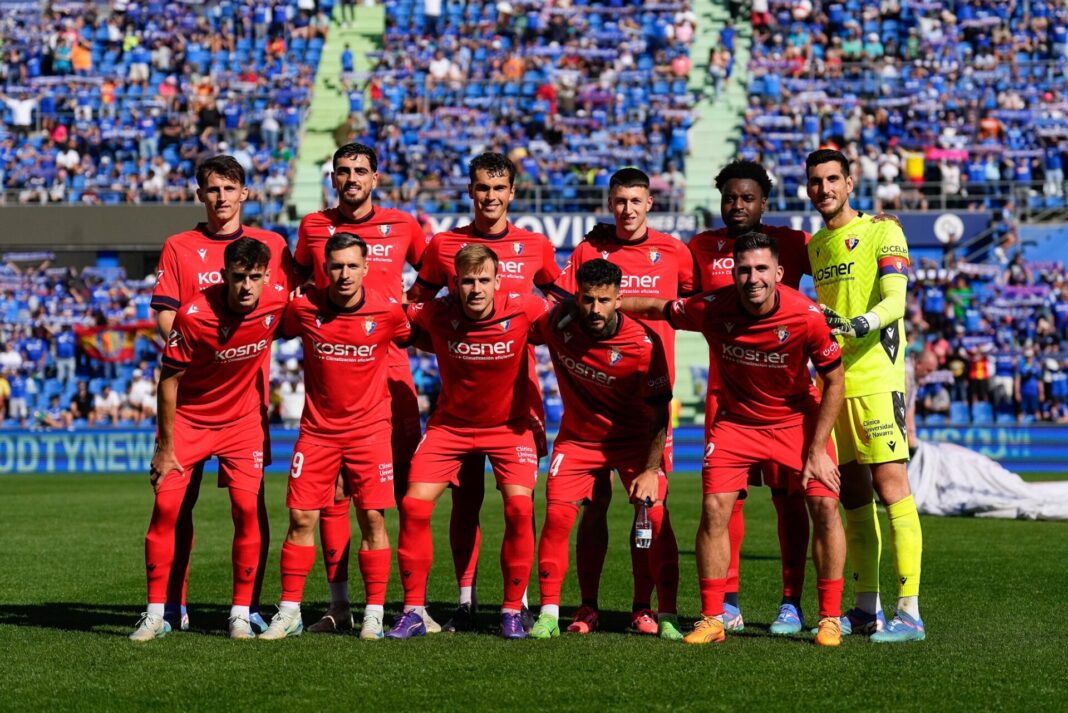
(1046, 242)
(715, 135)
(329, 105)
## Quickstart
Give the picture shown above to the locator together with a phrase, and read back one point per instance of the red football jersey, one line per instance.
(190, 262)
(345, 361)
(484, 365)
(225, 356)
(601, 380)
(713, 251)
(393, 237)
(763, 360)
(527, 260)
(658, 265)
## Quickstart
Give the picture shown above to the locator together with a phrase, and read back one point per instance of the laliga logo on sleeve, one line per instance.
(174, 339)
(782, 333)
(851, 242)
(517, 247)
(654, 256)
(385, 230)
(614, 355)
(369, 326)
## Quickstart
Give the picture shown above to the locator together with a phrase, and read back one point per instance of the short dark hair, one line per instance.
(629, 177)
(472, 256)
(826, 156)
(495, 164)
(745, 170)
(341, 241)
(754, 240)
(246, 252)
(599, 273)
(353, 150)
(222, 165)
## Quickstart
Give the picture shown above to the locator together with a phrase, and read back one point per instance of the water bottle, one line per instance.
(643, 529)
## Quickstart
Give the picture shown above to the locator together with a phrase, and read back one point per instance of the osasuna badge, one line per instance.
(517, 248)
(369, 326)
(614, 355)
(654, 256)
(782, 333)
(504, 325)
(385, 229)
(851, 242)
(268, 320)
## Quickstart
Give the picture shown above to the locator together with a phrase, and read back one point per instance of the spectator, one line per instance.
(107, 405)
(141, 397)
(55, 416)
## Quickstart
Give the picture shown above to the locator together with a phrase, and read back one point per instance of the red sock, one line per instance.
(184, 539)
(736, 532)
(517, 550)
(374, 566)
(160, 546)
(297, 562)
(263, 522)
(415, 549)
(663, 558)
(712, 591)
(465, 537)
(244, 508)
(335, 530)
(793, 540)
(591, 548)
(552, 549)
(829, 592)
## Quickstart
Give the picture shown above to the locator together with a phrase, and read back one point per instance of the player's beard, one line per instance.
(355, 204)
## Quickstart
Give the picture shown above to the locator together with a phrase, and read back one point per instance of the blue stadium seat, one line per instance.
(982, 412)
(958, 412)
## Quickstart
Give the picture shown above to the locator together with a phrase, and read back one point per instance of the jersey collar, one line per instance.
(346, 310)
(355, 221)
(203, 228)
(639, 241)
(490, 236)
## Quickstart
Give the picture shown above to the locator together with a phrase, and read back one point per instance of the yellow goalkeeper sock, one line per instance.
(907, 539)
(864, 545)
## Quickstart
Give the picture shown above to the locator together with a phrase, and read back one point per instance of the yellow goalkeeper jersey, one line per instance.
(847, 265)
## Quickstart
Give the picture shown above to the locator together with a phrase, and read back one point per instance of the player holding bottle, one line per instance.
(347, 332)
(392, 238)
(527, 260)
(763, 335)
(479, 334)
(860, 270)
(211, 403)
(603, 360)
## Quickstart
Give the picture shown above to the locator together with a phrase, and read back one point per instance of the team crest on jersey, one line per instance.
(192, 309)
(369, 326)
(504, 325)
(268, 320)
(385, 230)
(782, 333)
(654, 256)
(203, 253)
(721, 244)
(614, 355)
(331, 229)
(517, 248)
(851, 242)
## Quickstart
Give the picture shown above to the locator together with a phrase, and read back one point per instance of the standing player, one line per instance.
(189, 263)
(603, 362)
(347, 332)
(763, 336)
(480, 337)
(212, 403)
(860, 271)
(658, 265)
(527, 260)
(392, 238)
(744, 187)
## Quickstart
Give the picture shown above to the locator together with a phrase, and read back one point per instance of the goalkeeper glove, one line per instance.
(856, 327)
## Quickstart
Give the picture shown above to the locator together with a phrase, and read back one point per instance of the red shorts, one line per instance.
(512, 455)
(239, 446)
(405, 409)
(365, 463)
(732, 450)
(575, 467)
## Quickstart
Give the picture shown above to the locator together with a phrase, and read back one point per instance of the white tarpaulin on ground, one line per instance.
(947, 479)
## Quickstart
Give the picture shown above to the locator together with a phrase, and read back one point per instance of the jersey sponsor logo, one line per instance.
(511, 267)
(833, 272)
(517, 248)
(756, 357)
(852, 242)
(193, 309)
(480, 349)
(633, 282)
(328, 349)
(385, 230)
(895, 250)
(369, 326)
(654, 256)
(782, 333)
(833, 348)
(614, 355)
(658, 383)
(585, 371)
(722, 264)
(209, 278)
(379, 250)
(245, 351)
(268, 320)
(203, 253)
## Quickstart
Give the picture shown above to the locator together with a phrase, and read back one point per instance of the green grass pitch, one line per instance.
(72, 586)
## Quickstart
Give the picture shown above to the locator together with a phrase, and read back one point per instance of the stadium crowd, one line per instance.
(957, 104)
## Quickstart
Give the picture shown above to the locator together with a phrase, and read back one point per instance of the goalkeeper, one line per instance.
(860, 272)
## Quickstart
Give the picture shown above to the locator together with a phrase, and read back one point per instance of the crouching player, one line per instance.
(762, 336)
(604, 361)
(479, 334)
(347, 332)
(210, 402)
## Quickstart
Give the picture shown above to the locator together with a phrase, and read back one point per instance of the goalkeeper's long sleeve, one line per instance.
(892, 306)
